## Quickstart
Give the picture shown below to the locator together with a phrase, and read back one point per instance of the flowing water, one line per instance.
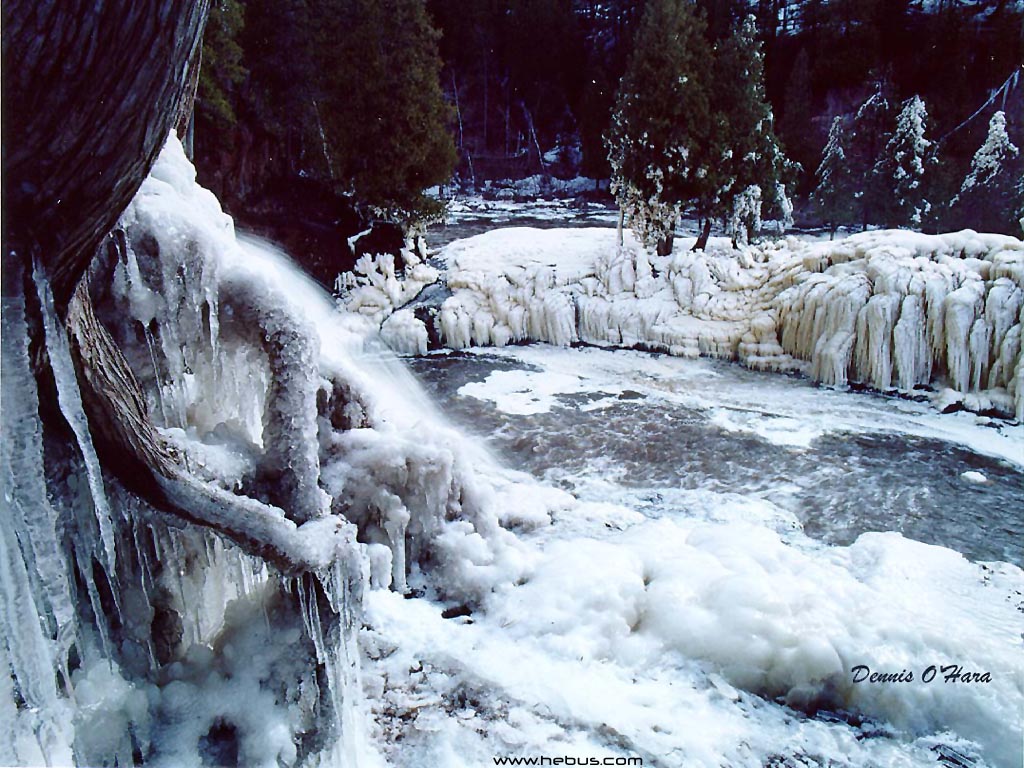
(717, 427)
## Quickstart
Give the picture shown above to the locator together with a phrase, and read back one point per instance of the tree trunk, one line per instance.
(705, 233)
(75, 152)
(665, 244)
(132, 448)
(91, 91)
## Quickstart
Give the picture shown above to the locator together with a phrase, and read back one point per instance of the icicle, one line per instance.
(70, 400)
(37, 620)
(29, 652)
(151, 344)
(913, 362)
(84, 563)
(979, 345)
(26, 509)
(394, 519)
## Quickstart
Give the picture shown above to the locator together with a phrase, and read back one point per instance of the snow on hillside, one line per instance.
(893, 310)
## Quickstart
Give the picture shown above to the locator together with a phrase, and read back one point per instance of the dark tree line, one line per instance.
(307, 89)
(344, 91)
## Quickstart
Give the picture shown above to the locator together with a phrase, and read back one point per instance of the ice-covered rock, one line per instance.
(892, 310)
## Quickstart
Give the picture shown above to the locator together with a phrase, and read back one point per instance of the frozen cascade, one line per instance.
(36, 619)
(888, 309)
(297, 426)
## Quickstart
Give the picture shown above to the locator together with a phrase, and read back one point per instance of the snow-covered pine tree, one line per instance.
(868, 138)
(755, 164)
(834, 195)
(900, 171)
(988, 199)
(658, 143)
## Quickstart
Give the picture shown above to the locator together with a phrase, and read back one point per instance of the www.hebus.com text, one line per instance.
(568, 760)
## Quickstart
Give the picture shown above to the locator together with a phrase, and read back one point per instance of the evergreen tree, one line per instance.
(222, 67)
(284, 78)
(869, 136)
(834, 194)
(988, 199)
(1020, 207)
(383, 114)
(795, 127)
(754, 169)
(660, 139)
(608, 32)
(902, 167)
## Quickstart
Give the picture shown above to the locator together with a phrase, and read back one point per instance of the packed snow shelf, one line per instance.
(892, 310)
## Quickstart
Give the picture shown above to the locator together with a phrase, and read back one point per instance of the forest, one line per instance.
(494, 91)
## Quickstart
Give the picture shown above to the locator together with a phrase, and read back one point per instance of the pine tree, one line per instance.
(834, 195)
(222, 67)
(1020, 207)
(755, 166)
(900, 173)
(869, 136)
(383, 114)
(659, 141)
(795, 127)
(988, 198)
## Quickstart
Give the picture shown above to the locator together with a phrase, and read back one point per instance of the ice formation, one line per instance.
(374, 289)
(892, 310)
(146, 638)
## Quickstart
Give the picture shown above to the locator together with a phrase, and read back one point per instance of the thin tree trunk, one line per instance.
(705, 233)
(486, 99)
(665, 244)
(458, 112)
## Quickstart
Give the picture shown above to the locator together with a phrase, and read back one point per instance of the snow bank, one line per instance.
(649, 641)
(792, 621)
(893, 310)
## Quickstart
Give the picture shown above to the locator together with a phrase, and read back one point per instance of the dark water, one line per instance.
(483, 216)
(841, 486)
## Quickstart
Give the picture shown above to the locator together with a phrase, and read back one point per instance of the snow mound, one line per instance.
(893, 310)
(793, 621)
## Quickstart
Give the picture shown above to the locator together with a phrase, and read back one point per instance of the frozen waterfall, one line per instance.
(134, 635)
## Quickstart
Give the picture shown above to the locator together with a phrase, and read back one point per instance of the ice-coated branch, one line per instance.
(144, 459)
